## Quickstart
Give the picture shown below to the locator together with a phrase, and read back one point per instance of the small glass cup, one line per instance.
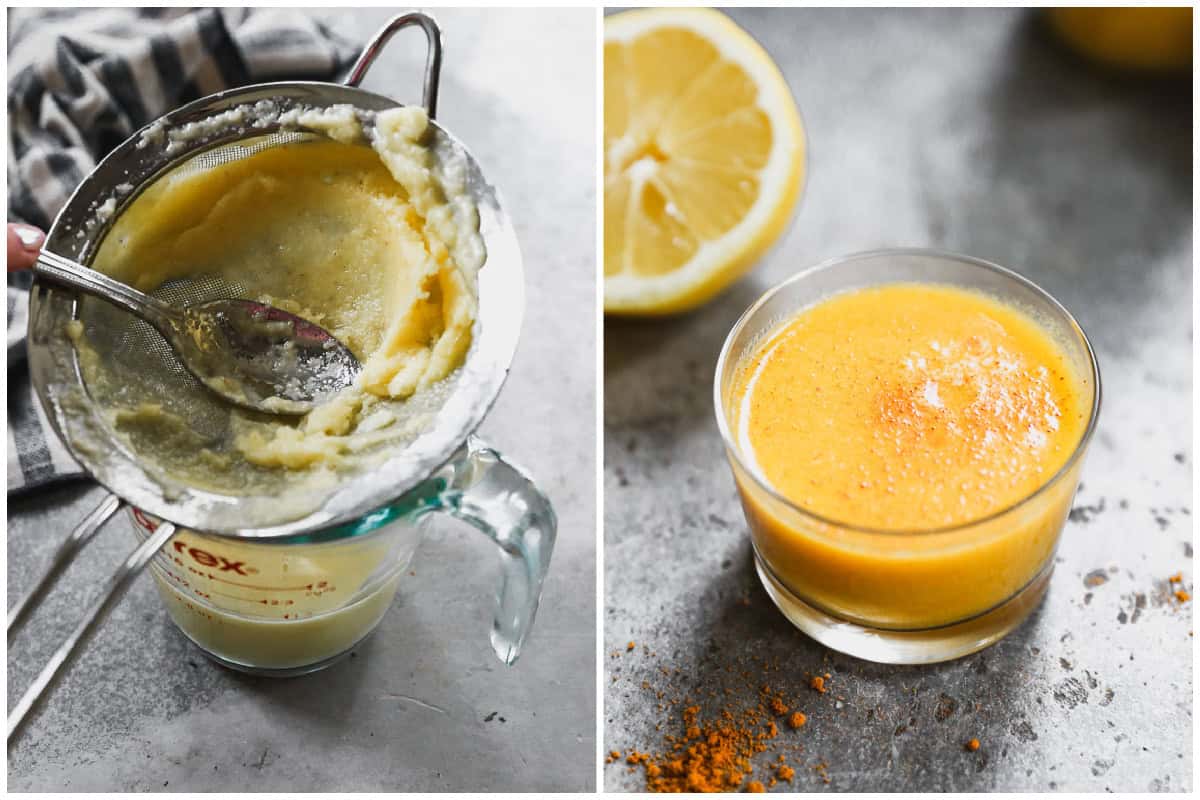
(917, 596)
(296, 605)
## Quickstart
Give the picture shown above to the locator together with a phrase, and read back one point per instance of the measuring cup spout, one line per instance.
(500, 500)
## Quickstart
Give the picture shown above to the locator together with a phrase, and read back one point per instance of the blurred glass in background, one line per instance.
(1142, 39)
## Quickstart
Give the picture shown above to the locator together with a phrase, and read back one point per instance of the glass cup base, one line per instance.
(278, 672)
(928, 646)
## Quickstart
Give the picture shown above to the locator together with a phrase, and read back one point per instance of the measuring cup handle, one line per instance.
(433, 60)
(500, 500)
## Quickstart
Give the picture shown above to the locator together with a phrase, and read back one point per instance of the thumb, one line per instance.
(24, 242)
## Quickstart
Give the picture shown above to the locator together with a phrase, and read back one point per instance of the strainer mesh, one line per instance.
(245, 148)
(134, 367)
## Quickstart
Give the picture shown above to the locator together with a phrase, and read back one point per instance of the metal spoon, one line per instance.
(253, 355)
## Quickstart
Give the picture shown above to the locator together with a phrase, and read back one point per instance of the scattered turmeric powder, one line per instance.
(715, 751)
(630, 646)
(817, 683)
(797, 719)
(973, 745)
(778, 706)
(715, 756)
(1176, 578)
(785, 773)
(1182, 596)
(755, 787)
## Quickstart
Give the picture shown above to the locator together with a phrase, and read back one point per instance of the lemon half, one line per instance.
(703, 157)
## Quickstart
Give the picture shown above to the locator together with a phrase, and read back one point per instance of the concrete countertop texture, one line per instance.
(423, 705)
(970, 131)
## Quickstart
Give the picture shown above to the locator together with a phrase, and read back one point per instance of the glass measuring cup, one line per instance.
(296, 605)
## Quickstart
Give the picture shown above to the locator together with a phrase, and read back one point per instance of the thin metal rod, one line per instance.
(66, 552)
(433, 60)
(120, 582)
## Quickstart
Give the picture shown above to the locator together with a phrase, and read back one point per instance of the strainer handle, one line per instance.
(501, 501)
(433, 60)
(64, 271)
(88, 527)
(129, 570)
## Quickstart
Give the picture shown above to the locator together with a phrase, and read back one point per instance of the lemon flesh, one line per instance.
(703, 157)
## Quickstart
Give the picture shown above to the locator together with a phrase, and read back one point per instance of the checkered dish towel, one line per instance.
(80, 83)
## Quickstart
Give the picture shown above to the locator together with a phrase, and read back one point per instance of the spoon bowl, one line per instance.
(253, 355)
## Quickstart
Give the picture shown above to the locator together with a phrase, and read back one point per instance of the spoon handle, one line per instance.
(62, 270)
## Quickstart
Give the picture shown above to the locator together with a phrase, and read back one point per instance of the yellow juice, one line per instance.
(899, 429)
(279, 607)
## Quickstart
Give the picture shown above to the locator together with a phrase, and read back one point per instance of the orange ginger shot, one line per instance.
(914, 431)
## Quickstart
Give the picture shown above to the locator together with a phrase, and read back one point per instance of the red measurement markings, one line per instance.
(263, 601)
(322, 586)
(182, 581)
(144, 521)
(225, 564)
(207, 559)
(198, 611)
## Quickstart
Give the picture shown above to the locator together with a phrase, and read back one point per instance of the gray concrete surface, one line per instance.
(424, 705)
(968, 131)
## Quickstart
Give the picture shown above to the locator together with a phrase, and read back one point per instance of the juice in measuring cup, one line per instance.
(270, 607)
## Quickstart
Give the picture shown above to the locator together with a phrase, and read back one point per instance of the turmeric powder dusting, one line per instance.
(818, 684)
(973, 745)
(755, 787)
(797, 720)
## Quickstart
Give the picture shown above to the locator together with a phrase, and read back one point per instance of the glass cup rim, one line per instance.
(409, 507)
(735, 456)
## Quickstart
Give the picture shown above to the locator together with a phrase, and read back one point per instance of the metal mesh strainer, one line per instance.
(135, 350)
(132, 348)
(121, 346)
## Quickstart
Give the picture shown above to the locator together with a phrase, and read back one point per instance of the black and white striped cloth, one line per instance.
(80, 83)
